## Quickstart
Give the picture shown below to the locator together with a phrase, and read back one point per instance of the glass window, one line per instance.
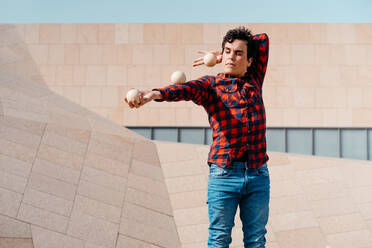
(146, 132)
(275, 139)
(209, 134)
(370, 144)
(353, 144)
(299, 141)
(165, 134)
(192, 135)
(326, 142)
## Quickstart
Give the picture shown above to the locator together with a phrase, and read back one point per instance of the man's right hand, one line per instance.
(145, 97)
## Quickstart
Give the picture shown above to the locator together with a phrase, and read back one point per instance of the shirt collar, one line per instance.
(244, 79)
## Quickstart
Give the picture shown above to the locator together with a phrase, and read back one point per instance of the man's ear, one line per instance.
(250, 60)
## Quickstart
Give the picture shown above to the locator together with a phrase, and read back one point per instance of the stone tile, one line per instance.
(125, 54)
(44, 238)
(146, 170)
(60, 157)
(285, 188)
(100, 193)
(113, 152)
(211, 33)
(154, 33)
(185, 184)
(362, 194)
(116, 75)
(304, 238)
(125, 241)
(90, 245)
(294, 220)
(135, 33)
(17, 151)
(146, 216)
(56, 55)
(105, 164)
(191, 199)
(64, 143)
(110, 55)
(91, 96)
(149, 200)
(72, 53)
(142, 55)
(42, 218)
(180, 169)
(34, 127)
(12, 228)
(336, 206)
(14, 166)
(366, 210)
(93, 230)
(52, 186)
(121, 33)
(87, 33)
(191, 216)
(48, 202)
(147, 185)
(146, 151)
(168, 152)
(32, 33)
(96, 75)
(303, 54)
(55, 171)
(343, 223)
(49, 33)
(39, 53)
(193, 233)
(161, 55)
(68, 33)
(90, 55)
(97, 209)
(157, 236)
(106, 33)
(289, 204)
(79, 76)
(104, 179)
(324, 191)
(12, 182)
(64, 74)
(16, 243)
(192, 33)
(357, 239)
(110, 97)
(9, 202)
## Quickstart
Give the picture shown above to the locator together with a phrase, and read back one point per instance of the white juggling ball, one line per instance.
(178, 77)
(133, 96)
(210, 59)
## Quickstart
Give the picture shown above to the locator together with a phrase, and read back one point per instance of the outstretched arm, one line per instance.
(197, 91)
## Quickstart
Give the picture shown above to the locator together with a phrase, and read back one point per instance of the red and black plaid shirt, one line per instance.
(235, 108)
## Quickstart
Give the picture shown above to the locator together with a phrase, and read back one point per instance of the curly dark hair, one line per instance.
(242, 33)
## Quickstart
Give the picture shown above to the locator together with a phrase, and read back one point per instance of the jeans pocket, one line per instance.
(263, 170)
(216, 171)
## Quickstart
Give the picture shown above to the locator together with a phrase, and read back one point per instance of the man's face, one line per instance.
(234, 58)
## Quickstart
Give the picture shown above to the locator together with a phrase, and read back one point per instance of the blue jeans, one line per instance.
(233, 186)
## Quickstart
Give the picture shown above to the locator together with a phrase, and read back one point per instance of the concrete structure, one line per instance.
(70, 178)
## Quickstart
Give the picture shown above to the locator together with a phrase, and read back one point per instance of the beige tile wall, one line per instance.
(318, 74)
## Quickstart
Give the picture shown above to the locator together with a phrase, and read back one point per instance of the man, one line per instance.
(238, 174)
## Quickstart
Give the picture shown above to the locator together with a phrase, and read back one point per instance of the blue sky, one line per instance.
(185, 11)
